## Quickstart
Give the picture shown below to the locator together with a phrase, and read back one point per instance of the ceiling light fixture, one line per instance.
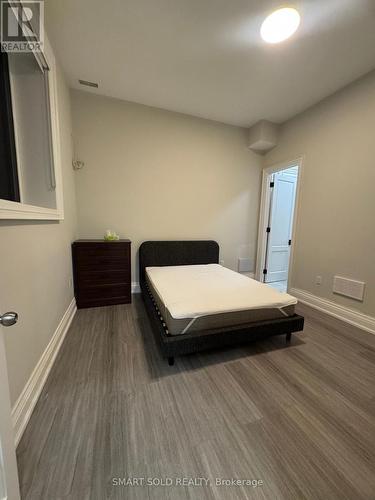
(280, 25)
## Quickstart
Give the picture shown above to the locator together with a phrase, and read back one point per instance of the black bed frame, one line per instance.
(178, 253)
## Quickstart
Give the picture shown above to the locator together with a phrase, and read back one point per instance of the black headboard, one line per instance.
(176, 253)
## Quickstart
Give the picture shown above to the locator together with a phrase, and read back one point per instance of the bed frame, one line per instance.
(179, 253)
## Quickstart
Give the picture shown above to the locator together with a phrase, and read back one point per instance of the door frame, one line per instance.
(264, 213)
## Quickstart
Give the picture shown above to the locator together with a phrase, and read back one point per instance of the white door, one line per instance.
(281, 224)
(9, 489)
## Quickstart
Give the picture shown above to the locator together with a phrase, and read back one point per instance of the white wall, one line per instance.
(35, 260)
(154, 174)
(336, 229)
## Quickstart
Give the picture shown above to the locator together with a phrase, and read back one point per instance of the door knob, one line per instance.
(9, 319)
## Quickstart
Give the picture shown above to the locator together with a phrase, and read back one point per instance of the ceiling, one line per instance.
(206, 58)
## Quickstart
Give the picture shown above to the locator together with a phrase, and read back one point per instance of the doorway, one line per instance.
(276, 227)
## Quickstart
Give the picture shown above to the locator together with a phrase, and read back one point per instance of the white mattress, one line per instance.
(200, 290)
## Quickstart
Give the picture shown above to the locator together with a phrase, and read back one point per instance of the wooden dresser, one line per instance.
(101, 272)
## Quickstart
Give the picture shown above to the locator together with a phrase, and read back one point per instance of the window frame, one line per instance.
(8, 150)
(13, 210)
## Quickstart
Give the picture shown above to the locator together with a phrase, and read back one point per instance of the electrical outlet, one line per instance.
(221, 262)
(70, 282)
(318, 280)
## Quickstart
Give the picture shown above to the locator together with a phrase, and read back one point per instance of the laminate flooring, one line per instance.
(287, 422)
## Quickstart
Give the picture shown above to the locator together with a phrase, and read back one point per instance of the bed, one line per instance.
(194, 303)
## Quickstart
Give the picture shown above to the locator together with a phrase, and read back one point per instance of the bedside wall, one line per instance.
(154, 174)
(36, 268)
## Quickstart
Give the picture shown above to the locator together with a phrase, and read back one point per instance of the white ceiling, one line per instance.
(206, 58)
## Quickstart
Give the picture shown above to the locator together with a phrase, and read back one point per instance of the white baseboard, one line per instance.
(27, 400)
(350, 316)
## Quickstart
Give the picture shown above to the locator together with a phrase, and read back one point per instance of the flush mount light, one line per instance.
(280, 25)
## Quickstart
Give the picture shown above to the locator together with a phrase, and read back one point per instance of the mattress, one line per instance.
(202, 297)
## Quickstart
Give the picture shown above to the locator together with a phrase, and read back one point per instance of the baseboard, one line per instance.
(350, 316)
(27, 400)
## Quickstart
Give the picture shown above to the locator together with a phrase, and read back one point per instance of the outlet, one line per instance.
(318, 280)
(221, 262)
(70, 282)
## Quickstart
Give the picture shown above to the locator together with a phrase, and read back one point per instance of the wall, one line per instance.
(154, 174)
(35, 264)
(335, 231)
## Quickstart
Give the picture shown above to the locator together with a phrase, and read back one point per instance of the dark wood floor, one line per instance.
(299, 418)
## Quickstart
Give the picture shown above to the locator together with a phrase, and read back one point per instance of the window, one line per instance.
(9, 187)
(30, 186)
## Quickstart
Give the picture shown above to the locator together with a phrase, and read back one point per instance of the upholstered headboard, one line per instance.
(176, 253)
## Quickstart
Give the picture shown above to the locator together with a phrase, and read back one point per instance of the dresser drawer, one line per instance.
(112, 258)
(91, 277)
(105, 291)
(86, 251)
(105, 263)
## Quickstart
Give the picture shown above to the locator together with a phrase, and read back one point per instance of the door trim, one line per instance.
(263, 214)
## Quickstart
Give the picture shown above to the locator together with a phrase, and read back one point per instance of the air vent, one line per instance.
(88, 84)
(350, 288)
(244, 265)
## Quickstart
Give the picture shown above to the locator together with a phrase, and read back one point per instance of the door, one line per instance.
(280, 223)
(8, 466)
